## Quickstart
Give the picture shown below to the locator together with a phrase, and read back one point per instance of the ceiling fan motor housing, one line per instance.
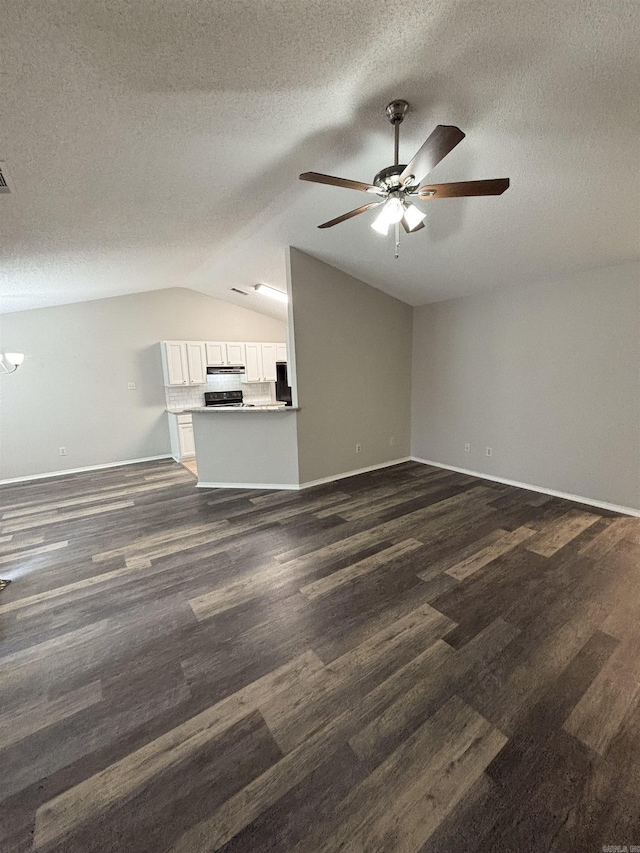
(389, 179)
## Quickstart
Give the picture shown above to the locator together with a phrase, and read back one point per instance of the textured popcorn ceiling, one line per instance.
(158, 144)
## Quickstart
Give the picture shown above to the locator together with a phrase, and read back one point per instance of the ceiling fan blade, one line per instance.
(351, 213)
(443, 140)
(496, 186)
(318, 178)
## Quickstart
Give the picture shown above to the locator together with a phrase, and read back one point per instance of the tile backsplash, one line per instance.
(258, 393)
(184, 398)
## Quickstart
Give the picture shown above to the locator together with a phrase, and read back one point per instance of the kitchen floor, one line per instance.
(190, 465)
(407, 661)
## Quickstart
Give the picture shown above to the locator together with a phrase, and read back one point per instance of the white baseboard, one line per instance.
(624, 510)
(86, 468)
(354, 473)
(298, 487)
(272, 486)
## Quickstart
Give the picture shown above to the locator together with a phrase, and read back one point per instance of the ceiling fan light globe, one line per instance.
(381, 224)
(394, 210)
(413, 216)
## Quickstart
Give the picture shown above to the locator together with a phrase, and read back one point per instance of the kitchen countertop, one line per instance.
(255, 409)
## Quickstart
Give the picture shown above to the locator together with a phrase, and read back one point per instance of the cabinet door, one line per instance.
(187, 445)
(253, 362)
(269, 362)
(235, 353)
(281, 352)
(176, 363)
(196, 359)
(216, 353)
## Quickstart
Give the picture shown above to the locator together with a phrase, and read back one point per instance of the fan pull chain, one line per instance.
(396, 253)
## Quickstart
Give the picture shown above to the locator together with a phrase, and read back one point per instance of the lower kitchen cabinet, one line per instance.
(187, 446)
(181, 435)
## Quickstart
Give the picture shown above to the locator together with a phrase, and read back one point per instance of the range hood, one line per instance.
(225, 369)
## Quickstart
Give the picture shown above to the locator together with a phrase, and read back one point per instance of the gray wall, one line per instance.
(260, 449)
(353, 365)
(548, 376)
(71, 390)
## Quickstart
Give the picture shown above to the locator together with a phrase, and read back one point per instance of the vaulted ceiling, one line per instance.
(157, 143)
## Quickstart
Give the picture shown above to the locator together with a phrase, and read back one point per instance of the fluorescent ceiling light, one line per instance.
(392, 212)
(413, 217)
(273, 292)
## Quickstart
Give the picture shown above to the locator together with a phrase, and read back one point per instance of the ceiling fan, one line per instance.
(397, 186)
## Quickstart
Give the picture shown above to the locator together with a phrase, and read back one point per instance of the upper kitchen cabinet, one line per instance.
(235, 353)
(224, 353)
(269, 362)
(184, 363)
(216, 353)
(196, 362)
(260, 362)
(253, 363)
(174, 363)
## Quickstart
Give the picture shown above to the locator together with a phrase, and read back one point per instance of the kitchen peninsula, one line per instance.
(246, 447)
(200, 376)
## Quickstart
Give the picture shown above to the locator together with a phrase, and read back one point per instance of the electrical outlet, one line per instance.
(131, 386)
(467, 448)
(488, 451)
(358, 448)
(392, 441)
(63, 451)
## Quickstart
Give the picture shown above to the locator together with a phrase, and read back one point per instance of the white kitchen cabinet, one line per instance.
(224, 353)
(216, 352)
(186, 362)
(269, 362)
(174, 363)
(187, 446)
(196, 362)
(253, 362)
(235, 353)
(181, 435)
(260, 362)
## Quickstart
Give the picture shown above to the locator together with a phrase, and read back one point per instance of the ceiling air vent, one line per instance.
(5, 181)
(241, 292)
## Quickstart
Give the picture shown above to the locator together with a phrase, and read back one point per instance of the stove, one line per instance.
(223, 398)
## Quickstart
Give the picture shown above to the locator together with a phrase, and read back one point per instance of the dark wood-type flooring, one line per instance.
(408, 661)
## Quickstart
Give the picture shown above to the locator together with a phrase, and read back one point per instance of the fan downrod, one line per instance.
(396, 112)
